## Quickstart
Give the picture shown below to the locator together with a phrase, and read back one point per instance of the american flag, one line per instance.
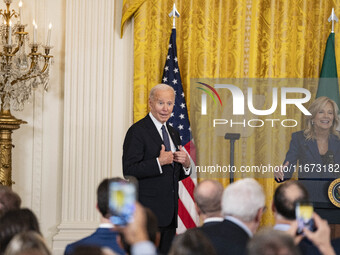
(187, 215)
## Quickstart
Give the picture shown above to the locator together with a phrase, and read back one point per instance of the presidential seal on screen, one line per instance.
(334, 192)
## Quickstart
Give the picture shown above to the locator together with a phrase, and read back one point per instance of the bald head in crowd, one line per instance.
(208, 195)
(285, 198)
(242, 207)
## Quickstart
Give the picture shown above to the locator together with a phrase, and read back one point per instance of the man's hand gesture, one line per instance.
(182, 157)
(165, 157)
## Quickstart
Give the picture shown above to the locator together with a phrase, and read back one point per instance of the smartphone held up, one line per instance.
(304, 216)
(122, 200)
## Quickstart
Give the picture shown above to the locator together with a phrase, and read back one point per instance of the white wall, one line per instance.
(75, 132)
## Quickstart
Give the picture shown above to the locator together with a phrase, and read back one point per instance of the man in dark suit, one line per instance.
(208, 195)
(152, 153)
(242, 205)
(104, 235)
(285, 198)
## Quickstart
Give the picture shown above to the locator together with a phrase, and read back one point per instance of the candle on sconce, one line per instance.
(48, 42)
(35, 27)
(10, 33)
(20, 11)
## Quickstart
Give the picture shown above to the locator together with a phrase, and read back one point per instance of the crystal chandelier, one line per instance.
(20, 73)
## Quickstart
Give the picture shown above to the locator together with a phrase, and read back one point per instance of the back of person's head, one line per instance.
(87, 250)
(192, 242)
(286, 196)
(243, 199)
(103, 196)
(27, 243)
(272, 242)
(151, 228)
(208, 195)
(14, 222)
(9, 200)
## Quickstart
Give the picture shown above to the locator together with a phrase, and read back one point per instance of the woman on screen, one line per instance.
(317, 151)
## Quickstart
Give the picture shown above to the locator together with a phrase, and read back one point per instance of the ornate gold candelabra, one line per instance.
(20, 73)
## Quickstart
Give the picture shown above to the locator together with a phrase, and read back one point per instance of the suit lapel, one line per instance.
(173, 135)
(152, 130)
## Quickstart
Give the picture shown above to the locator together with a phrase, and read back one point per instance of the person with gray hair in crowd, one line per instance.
(208, 195)
(243, 203)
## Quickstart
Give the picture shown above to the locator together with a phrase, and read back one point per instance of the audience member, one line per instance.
(136, 234)
(321, 237)
(208, 195)
(285, 198)
(243, 203)
(193, 241)
(14, 222)
(272, 242)
(87, 250)
(9, 200)
(27, 243)
(103, 236)
(152, 231)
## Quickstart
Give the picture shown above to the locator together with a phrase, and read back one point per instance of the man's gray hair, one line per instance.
(243, 199)
(160, 87)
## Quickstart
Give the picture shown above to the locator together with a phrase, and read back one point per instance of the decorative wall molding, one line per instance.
(38, 103)
(97, 110)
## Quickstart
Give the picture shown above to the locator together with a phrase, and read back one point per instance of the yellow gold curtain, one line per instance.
(232, 39)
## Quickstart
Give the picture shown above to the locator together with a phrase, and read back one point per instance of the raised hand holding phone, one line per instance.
(304, 216)
(122, 201)
(321, 236)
